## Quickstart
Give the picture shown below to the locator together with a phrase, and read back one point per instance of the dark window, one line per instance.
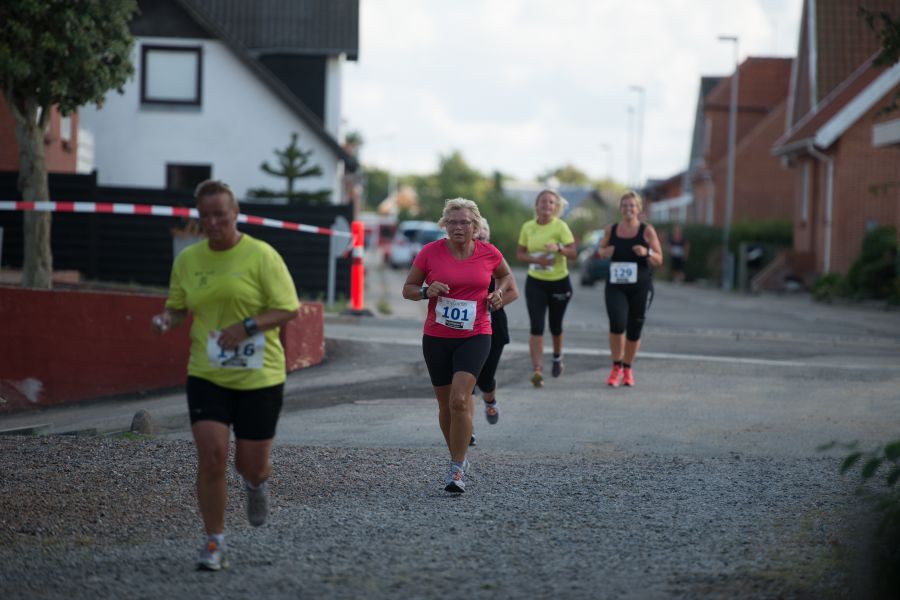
(186, 177)
(171, 75)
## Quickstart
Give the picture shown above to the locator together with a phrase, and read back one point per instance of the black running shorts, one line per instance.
(252, 413)
(446, 356)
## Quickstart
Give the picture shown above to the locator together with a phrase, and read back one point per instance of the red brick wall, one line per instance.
(61, 156)
(64, 346)
(867, 188)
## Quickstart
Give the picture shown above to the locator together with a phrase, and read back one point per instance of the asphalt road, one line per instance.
(704, 480)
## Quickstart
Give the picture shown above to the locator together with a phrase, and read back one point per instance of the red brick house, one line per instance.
(60, 141)
(665, 199)
(841, 149)
(762, 189)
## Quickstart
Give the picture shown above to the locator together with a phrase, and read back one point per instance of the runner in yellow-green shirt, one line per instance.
(239, 292)
(545, 244)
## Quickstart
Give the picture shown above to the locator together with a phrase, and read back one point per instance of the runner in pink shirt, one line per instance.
(454, 274)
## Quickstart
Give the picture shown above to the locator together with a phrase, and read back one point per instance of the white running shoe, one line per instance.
(456, 479)
(257, 503)
(212, 557)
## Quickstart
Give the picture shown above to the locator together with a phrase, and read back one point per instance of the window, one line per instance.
(171, 75)
(186, 177)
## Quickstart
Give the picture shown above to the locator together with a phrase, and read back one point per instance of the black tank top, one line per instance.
(623, 251)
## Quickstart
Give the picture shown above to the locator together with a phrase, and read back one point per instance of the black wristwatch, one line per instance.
(251, 326)
(424, 291)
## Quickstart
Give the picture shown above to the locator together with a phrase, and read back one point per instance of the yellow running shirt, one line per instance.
(535, 238)
(223, 288)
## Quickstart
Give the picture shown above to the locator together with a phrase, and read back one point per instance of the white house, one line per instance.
(203, 104)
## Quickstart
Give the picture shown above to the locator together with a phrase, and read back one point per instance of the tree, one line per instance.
(62, 54)
(568, 174)
(888, 29)
(293, 164)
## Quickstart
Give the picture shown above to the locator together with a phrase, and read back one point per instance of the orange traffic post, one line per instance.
(358, 271)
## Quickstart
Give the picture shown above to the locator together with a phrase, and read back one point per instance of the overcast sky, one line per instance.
(523, 86)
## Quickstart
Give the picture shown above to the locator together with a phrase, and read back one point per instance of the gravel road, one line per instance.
(89, 517)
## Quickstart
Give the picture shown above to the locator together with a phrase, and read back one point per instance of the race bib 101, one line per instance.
(623, 272)
(247, 355)
(455, 314)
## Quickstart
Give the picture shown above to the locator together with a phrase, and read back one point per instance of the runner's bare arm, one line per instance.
(505, 284)
(236, 333)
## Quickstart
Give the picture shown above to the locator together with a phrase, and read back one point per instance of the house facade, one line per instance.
(762, 190)
(61, 142)
(202, 104)
(840, 146)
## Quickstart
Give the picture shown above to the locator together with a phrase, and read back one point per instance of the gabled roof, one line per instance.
(763, 84)
(843, 107)
(270, 80)
(310, 27)
(707, 84)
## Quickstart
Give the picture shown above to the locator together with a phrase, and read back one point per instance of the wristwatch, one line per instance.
(251, 326)
(424, 291)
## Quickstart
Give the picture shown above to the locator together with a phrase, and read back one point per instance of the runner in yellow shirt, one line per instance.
(240, 293)
(545, 244)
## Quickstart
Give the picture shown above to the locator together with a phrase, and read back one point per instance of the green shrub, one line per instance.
(828, 287)
(874, 273)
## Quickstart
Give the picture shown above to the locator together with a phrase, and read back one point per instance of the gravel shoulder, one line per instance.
(101, 517)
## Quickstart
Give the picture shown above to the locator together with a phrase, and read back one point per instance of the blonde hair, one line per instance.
(561, 202)
(211, 187)
(485, 233)
(461, 204)
(637, 199)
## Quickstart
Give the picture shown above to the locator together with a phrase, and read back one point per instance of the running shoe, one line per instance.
(492, 412)
(472, 440)
(627, 376)
(537, 380)
(614, 376)
(257, 503)
(456, 479)
(212, 557)
(558, 368)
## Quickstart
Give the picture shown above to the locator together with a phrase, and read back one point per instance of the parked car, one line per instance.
(404, 245)
(425, 236)
(592, 267)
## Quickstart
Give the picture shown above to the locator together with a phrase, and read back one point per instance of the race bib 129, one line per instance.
(247, 355)
(623, 272)
(455, 314)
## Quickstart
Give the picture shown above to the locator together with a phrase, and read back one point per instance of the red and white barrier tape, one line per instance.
(155, 210)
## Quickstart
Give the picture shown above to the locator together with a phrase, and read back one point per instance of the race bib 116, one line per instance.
(247, 355)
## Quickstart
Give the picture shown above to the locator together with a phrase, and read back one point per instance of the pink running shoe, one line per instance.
(614, 376)
(627, 376)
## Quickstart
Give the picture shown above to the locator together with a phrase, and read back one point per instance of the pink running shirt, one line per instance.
(449, 315)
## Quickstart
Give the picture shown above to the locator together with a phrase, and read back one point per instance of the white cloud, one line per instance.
(529, 85)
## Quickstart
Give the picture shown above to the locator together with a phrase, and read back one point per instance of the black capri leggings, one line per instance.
(446, 356)
(543, 295)
(627, 305)
(487, 382)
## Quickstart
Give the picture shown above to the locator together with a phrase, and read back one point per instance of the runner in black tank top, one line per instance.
(629, 286)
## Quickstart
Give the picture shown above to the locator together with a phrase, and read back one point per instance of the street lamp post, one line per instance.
(727, 260)
(639, 136)
(629, 160)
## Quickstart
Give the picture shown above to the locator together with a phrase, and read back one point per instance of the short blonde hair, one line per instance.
(637, 199)
(211, 187)
(461, 204)
(561, 202)
(485, 233)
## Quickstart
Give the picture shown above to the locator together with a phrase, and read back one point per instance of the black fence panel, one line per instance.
(139, 249)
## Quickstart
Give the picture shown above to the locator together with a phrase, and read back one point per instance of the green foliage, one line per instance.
(776, 233)
(378, 182)
(887, 27)
(829, 286)
(567, 174)
(874, 273)
(64, 53)
(293, 165)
